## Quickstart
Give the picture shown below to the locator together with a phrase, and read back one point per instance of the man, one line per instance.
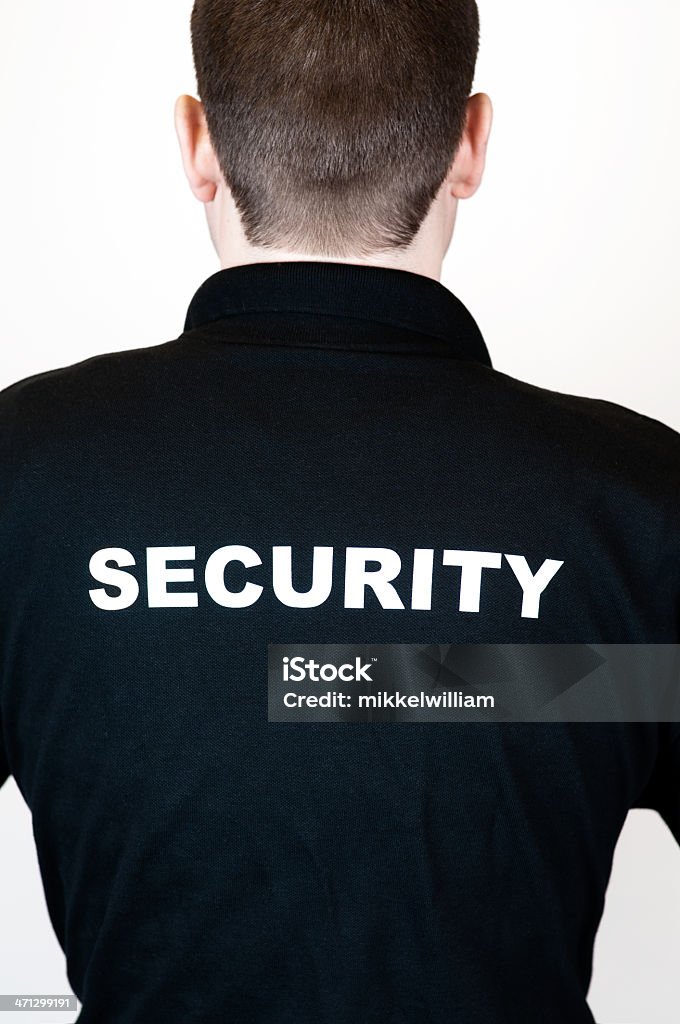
(325, 455)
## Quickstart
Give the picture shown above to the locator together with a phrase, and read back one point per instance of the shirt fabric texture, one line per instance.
(202, 864)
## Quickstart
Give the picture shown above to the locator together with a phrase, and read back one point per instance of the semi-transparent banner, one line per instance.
(474, 682)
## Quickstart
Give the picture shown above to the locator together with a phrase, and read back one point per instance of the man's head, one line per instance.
(331, 127)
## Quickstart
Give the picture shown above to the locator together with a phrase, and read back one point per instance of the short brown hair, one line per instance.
(334, 121)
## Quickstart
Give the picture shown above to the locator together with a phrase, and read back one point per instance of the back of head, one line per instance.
(334, 121)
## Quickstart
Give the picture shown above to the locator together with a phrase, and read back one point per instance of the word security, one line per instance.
(379, 570)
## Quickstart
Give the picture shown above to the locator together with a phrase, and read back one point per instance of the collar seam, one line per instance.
(363, 349)
(402, 325)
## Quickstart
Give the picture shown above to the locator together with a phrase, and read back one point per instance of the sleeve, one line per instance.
(4, 768)
(662, 792)
(8, 397)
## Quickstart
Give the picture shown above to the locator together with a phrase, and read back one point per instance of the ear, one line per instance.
(467, 169)
(198, 156)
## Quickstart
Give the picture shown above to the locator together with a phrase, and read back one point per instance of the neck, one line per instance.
(423, 256)
(428, 266)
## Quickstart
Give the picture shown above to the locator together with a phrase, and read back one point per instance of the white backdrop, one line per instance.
(567, 258)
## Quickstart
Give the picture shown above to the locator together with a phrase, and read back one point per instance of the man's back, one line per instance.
(201, 862)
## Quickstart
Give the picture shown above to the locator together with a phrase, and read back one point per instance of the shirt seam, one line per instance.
(445, 340)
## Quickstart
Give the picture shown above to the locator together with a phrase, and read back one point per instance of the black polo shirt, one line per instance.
(204, 864)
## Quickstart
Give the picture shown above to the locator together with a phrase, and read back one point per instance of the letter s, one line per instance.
(103, 573)
(298, 666)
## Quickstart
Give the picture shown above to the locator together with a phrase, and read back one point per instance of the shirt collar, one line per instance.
(396, 298)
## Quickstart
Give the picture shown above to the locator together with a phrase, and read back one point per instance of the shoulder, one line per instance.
(68, 396)
(594, 436)
(76, 379)
(58, 413)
